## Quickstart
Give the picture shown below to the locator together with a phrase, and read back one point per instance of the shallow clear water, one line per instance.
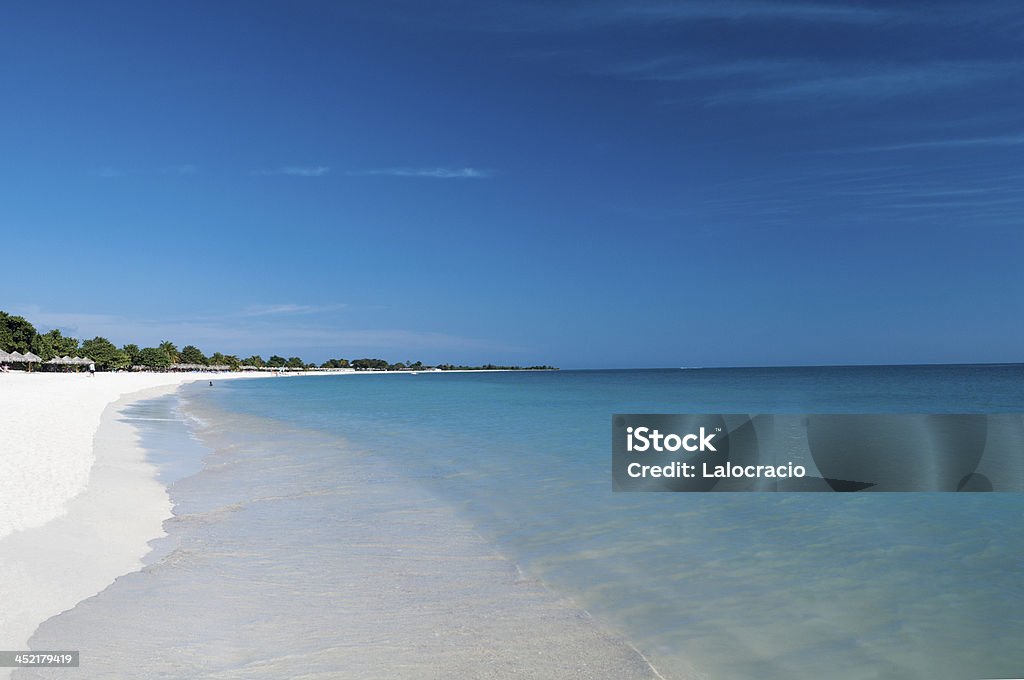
(720, 586)
(164, 432)
(705, 585)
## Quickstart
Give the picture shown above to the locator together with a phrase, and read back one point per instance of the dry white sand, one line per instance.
(78, 503)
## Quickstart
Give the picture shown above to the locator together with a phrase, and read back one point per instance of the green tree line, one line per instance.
(18, 335)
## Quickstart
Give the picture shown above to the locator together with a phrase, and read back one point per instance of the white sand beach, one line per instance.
(397, 583)
(80, 505)
(78, 502)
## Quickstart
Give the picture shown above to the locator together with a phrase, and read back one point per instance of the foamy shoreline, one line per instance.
(47, 425)
(71, 435)
(78, 501)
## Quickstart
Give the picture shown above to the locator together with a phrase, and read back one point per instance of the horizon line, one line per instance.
(706, 368)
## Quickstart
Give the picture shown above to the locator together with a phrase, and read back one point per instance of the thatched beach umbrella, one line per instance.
(54, 361)
(4, 357)
(62, 361)
(17, 357)
(30, 359)
(78, 361)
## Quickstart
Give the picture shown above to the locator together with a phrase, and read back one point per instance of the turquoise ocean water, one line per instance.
(705, 585)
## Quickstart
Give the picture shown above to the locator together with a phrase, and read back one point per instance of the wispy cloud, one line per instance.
(718, 83)
(938, 144)
(305, 171)
(882, 81)
(435, 173)
(686, 68)
(718, 72)
(895, 196)
(543, 17)
(282, 309)
(734, 10)
(107, 172)
(296, 171)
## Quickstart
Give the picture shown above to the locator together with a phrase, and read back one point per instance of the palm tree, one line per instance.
(171, 349)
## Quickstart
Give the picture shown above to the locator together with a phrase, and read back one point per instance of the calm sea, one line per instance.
(705, 585)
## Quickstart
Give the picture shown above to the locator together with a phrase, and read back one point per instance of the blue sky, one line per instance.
(584, 184)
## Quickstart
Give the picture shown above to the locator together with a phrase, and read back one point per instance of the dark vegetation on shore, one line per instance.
(19, 335)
